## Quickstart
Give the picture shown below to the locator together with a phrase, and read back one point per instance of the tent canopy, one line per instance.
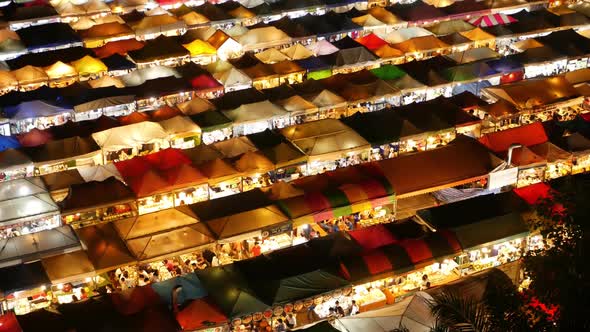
(22, 277)
(68, 267)
(88, 195)
(105, 249)
(130, 136)
(382, 127)
(255, 112)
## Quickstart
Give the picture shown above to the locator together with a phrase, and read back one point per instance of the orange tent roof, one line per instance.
(528, 135)
(135, 117)
(194, 316)
(183, 176)
(254, 162)
(218, 169)
(119, 47)
(164, 113)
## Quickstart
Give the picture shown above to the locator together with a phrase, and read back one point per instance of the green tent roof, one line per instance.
(388, 72)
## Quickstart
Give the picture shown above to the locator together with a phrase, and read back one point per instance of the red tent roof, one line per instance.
(531, 194)
(194, 316)
(120, 47)
(132, 167)
(135, 117)
(373, 237)
(148, 184)
(528, 135)
(164, 113)
(167, 158)
(134, 300)
(35, 137)
(9, 323)
(205, 82)
(371, 41)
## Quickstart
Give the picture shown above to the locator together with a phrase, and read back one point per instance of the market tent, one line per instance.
(60, 70)
(257, 36)
(388, 72)
(277, 149)
(480, 220)
(462, 161)
(339, 200)
(30, 247)
(234, 147)
(254, 162)
(384, 15)
(353, 57)
(297, 52)
(477, 34)
(170, 243)
(104, 31)
(89, 65)
(420, 44)
(68, 267)
(229, 290)
(16, 209)
(550, 152)
(88, 196)
(30, 75)
(48, 36)
(34, 137)
(99, 172)
(218, 170)
(322, 47)
(412, 312)
(271, 55)
(298, 105)
(534, 192)
(121, 47)
(290, 274)
(368, 21)
(22, 277)
(8, 80)
(34, 109)
(254, 112)
(180, 125)
(448, 27)
(130, 136)
(159, 49)
(200, 47)
(8, 142)
(382, 127)
(402, 35)
(467, 72)
(327, 98)
(473, 55)
(402, 256)
(151, 223)
(371, 41)
(191, 290)
(233, 77)
(157, 24)
(455, 39)
(11, 159)
(325, 138)
(537, 92)
(73, 148)
(105, 249)
(211, 121)
(140, 76)
(492, 20)
(199, 314)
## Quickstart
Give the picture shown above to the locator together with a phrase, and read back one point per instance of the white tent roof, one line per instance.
(219, 67)
(233, 77)
(99, 173)
(297, 52)
(262, 35)
(401, 35)
(139, 76)
(251, 3)
(322, 47)
(195, 106)
(179, 124)
(255, 112)
(21, 188)
(297, 103)
(15, 210)
(106, 81)
(37, 109)
(130, 136)
(271, 55)
(413, 313)
(327, 98)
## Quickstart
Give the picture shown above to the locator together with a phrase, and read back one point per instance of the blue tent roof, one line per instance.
(34, 109)
(313, 64)
(191, 289)
(504, 65)
(8, 142)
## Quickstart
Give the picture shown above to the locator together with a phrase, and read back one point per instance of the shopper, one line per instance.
(280, 327)
(354, 308)
(338, 309)
(291, 321)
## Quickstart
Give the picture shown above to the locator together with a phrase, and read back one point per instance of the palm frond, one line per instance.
(458, 313)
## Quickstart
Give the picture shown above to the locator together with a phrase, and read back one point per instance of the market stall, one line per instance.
(28, 208)
(290, 163)
(30, 78)
(117, 105)
(420, 48)
(234, 147)
(499, 116)
(223, 180)
(329, 144)
(122, 143)
(289, 72)
(329, 104)
(89, 67)
(36, 114)
(300, 110)
(233, 79)
(8, 82)
(559, 162)
(73, 269)
(256, 117)
(422, 115)
(19, 282)
(162, 51)
(14, 164)
(262, 76)
(201, 52)
(214, 125)
(257, 169)
(388, 134)
(153, 26)
(182, 132)
(105, 249)
(64, 154)
(578, 145)
(61, 75)
(100, 34)
(86, 205)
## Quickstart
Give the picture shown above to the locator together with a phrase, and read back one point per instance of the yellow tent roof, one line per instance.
(526, 44)
(448, 27)
(59, 70)
(271, 55)
(367, 21)
(7, 79)
(241, 12)
(199, 47)
(154, 21)
(8, 34)
(440, 3)
(297, 52)
(477, 34)
(105, 81)
(384, 15)
(417, 44)
(30, 74)
(254, 162)
(387, 51)
(89, 65)
(194, 18)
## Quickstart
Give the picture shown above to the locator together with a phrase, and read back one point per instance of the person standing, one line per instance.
(354, 308)
(291, 321)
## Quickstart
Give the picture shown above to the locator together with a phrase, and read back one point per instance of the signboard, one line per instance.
(506, 177)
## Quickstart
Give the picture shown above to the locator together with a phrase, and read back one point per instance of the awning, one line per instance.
(105, 249)
(192, 289)
(88, 196)
(69, 267)
(338, 202)
(492, 20)
(278, 149)
(382, 127)
(527, 135)
(22, 277)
